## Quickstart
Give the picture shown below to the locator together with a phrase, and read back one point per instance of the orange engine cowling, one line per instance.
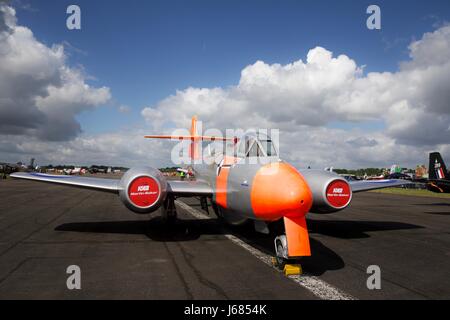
(331, 192)
(143, 190)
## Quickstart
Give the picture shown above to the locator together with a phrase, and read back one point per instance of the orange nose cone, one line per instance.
(279, 190)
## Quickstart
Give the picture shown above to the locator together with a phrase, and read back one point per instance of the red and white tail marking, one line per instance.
(441, 173)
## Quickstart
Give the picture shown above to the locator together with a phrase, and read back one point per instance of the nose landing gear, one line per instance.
(281, 261)
(281, 251)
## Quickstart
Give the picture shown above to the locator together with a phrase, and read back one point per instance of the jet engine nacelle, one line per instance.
(331, 192)
(143, 190)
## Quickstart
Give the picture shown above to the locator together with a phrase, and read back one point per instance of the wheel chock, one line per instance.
(292, 269)
(274, 262)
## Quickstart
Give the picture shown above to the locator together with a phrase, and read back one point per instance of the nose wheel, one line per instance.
(281, 251)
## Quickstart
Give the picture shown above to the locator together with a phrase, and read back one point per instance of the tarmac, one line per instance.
(46, 228)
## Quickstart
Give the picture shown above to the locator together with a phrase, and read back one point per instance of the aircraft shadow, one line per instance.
(322, 260)
(350, 229)
(442, 213)
(437, 204)
(155, 229)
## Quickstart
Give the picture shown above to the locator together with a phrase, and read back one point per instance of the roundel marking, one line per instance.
(338, 193)
(143, 191)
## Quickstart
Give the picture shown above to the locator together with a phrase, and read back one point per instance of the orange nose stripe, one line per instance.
(221, 187)
(279, 190)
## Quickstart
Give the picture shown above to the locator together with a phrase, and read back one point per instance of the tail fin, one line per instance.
(437, 169)
(194, 152)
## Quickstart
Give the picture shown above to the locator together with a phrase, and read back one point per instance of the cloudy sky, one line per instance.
(340, 94)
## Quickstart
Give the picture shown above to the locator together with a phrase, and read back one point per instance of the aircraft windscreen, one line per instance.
(268, 147)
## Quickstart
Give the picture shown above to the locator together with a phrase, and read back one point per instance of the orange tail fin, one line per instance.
(194, 152)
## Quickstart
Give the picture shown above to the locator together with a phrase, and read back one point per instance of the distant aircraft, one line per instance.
(7, 168)
(250, 183)
(438, 177)
(186, 171)
(350, 177)
(399, 175)
(380, 177)
(395, 168)
(76, 170)
(396, 173)
(97, 170)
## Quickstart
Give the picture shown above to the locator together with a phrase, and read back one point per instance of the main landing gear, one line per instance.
(169, 211)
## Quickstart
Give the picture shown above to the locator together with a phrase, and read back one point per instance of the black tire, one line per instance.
(281, 262)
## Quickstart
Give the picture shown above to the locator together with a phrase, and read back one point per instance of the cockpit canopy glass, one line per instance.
(256, 144)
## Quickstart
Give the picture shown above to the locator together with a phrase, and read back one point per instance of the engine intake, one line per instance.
(143, 190)
(331, 192)
(338, 194)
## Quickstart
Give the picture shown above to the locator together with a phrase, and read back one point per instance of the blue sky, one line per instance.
(146, 50)
(290, 65)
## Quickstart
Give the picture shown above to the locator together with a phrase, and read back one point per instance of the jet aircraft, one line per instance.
(438, 176)
(251, 183)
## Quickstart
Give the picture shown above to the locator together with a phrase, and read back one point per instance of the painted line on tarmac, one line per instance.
(316, 286)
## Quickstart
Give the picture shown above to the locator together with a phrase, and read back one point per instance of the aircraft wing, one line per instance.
(179, 188)
(365, 185)
(109, 185)
(189, 188)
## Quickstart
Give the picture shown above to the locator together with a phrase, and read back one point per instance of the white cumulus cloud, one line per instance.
(305, 98)
(39, 94)
(325, 106)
